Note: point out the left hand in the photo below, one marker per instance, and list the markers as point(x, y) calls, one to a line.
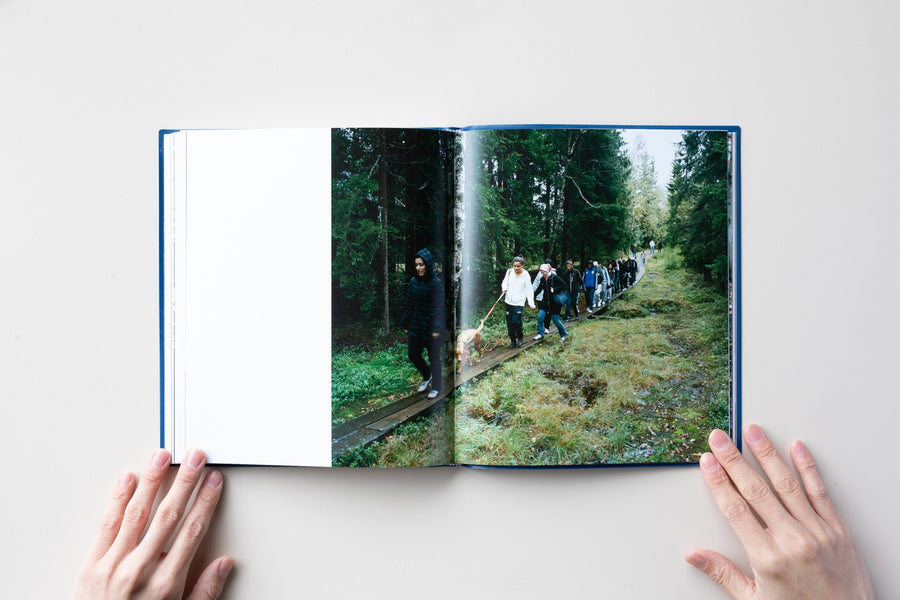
point(123, 564)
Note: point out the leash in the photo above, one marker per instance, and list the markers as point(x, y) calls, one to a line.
point(492, 309)
point(480, 327)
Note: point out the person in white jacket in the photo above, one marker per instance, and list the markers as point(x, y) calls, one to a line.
point(517, 287)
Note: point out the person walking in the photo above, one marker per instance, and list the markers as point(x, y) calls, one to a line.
point(553, 298)
point(423, 320)
point(603, 289)
point(517, 287)
point(574, 283)
point(538, 294)
point(608, 273)
point(591, 280)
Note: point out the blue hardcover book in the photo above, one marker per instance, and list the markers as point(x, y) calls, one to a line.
point(503, 296)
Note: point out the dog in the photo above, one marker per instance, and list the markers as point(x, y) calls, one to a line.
point(464, 343)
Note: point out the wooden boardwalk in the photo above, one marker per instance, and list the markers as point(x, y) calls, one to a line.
point(379, 423)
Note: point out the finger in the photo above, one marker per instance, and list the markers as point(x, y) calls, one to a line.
point(138, 510)
point(173, 506)
point(783, 480)
point(816, 491)
point(112, 518)
point(212, 579)
point(752, 487)
point(195, 526)
point(732, 504)
point(722, 572)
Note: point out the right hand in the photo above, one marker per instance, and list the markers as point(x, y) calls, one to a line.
point(801, 549)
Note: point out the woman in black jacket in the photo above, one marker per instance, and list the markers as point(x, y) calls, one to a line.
point(552, 300)
point(423, 321)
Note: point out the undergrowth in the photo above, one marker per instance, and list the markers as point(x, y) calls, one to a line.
point(362, 381)
point(644, 383)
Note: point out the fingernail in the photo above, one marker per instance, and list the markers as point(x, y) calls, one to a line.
point(214, 479)
point(719, 440)
point(800, 448)
point(160, 459)
point(708, 462)
point(754, 434)
point(125, 479)
point(194, 458)
point(696, 560)
point(225, 566)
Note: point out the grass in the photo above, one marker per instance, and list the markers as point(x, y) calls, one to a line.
point(645, 383)
point(427, 441)
point(362, 381)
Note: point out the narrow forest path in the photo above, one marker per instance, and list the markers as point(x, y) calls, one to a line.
point(379, 423)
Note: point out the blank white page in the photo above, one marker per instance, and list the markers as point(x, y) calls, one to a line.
point(252, 323)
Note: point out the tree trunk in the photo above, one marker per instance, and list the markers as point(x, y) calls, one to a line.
point(385, 259)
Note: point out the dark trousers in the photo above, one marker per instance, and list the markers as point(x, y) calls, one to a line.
point(514, 322)
point(572, 305)
point(433, 345)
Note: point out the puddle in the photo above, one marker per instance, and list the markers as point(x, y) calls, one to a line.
point(490, 416)
point(582, 391)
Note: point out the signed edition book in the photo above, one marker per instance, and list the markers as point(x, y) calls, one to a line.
point(507, 296)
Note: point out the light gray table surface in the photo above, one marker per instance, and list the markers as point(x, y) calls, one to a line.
point(86, 86)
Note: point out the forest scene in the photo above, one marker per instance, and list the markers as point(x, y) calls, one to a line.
point(638, 375)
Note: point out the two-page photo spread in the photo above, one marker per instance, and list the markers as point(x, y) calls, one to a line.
point(515, 296)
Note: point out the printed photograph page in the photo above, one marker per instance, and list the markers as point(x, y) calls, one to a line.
point(394, 290)
point(595, 282)
point(250, 335)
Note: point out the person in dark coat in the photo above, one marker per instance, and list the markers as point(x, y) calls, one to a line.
point(553, 288)
point(574, 283)
point(423, 320)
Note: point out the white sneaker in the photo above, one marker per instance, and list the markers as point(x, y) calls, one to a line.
point(538, 337)
point(434, 393)
point(424, 385)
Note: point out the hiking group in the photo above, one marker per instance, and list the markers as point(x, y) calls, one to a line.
point(549, 292)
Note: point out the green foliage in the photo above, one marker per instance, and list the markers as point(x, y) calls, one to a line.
point(557, 193)
point(698, 203)
point(647, 199)
point(363, 380)
point(352, 197)
point(361, 456)
point(392, 194)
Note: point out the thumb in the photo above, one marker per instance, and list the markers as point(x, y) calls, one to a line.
point(723, 573)
point(212, 579)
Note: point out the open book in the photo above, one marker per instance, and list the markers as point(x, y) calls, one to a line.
point(492, 296)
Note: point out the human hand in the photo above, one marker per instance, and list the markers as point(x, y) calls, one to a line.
point(798, 547)
point(124, 565)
